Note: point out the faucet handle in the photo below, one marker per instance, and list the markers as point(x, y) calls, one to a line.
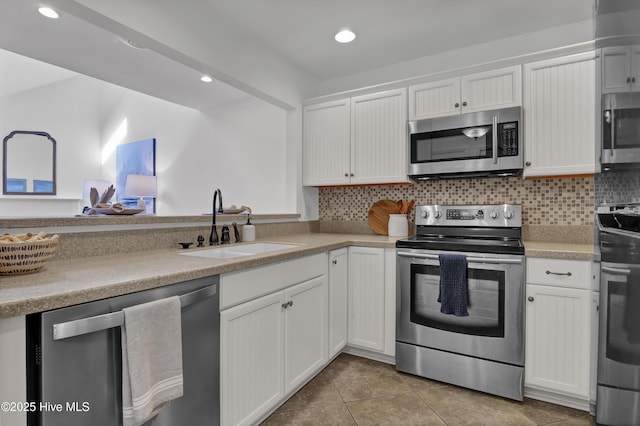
point(236, 233)
point(213, 238)
point(225, 239)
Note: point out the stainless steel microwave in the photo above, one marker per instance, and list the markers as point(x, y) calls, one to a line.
point(620, 128)
point(487, 143)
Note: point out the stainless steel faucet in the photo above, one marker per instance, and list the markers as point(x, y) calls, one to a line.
point(213, 238)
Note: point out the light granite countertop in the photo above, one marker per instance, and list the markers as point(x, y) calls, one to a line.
point(70, 282)
point(552, 250)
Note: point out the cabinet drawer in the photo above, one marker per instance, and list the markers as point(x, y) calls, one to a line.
point(242, 286)
point(559, 272)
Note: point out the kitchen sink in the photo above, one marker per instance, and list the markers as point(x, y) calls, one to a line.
point(229, 252)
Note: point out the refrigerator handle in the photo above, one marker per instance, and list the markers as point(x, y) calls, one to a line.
point(82, 326)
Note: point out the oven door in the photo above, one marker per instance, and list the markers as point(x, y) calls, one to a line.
point(619, 352)
point(494, 329)
point(621, 128)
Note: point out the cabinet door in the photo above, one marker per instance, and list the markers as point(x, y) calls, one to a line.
point(326, 143)
point(13, 381)
point(558, 339)
point(251, 359)
point(338, 300)
point(635, 68)
point(501, 88)
point(559, 115)
point(616, 69)
point(435, 99)
point(379, 137)
point(366, 298)
point(306, 331)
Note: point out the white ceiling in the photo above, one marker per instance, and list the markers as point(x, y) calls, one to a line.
point(19, 73)
point(388, 31)
point(298, 32)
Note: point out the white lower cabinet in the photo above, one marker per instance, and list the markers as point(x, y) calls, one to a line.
point(558, 309)
point(338, 300)
point(252, 359)
point(13, 381)
point(306, 331)
point(372, 299)
point(271, 345)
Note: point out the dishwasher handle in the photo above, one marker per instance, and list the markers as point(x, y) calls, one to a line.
point(469, 258)
point(78, 327)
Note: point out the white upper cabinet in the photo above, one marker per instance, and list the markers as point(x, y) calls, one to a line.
point(500, 88)
point(379, 137)
point(620, 69)
point(435, 99)
point(327, 143)
point(360, 140)
point(559, 116)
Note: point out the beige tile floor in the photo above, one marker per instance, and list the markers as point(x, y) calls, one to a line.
point(357, 391)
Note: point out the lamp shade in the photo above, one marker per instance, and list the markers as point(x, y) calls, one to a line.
point(140, 186)
point(100, 185)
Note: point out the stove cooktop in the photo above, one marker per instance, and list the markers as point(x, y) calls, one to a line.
point(480, 229)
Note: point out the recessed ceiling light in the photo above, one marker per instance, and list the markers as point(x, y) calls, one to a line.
point(206, 79)
point(132, 44)
point(345, 36)
point(48, 12)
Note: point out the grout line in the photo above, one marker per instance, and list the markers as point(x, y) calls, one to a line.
point(432, 409)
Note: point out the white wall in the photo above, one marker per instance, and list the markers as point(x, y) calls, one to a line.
point(69, 110)
point(240, 148)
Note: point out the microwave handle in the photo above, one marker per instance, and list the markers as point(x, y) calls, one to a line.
point(613, 130)
point(495, 139)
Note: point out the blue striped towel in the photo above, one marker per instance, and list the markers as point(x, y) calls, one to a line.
point(453, 295)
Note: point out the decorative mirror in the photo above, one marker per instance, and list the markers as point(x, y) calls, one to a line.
point(29, 163)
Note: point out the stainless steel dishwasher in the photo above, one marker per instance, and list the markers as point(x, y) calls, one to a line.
point(74, 360)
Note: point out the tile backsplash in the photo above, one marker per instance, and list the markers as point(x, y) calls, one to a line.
point(619, 186)
point(567, 201)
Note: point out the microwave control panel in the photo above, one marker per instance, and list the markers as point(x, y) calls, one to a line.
point(508, 139)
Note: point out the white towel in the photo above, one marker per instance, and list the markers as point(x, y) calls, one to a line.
point(151, 359)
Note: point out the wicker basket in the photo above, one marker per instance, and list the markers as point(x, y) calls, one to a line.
point(26, 257)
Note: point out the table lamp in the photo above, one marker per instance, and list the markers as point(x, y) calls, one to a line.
point(140, 186)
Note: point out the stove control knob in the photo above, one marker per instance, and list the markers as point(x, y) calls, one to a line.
point(425, 214)
point(493, 214)
point(437, 214)
point(508, 214)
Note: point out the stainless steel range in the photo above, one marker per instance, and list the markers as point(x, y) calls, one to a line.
point(483, 350)
point(618, 390)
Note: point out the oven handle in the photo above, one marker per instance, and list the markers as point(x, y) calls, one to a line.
point(78, 327)
point(615, 271)
point(469, 259)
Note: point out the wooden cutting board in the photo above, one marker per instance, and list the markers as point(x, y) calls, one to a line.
point(379, 215)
